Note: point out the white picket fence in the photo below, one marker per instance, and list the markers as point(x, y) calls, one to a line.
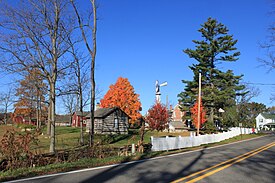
point(170, 143)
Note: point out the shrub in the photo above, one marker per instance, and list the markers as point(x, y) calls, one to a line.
point(15, 148)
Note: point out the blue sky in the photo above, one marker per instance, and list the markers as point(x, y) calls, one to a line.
point(143, 41)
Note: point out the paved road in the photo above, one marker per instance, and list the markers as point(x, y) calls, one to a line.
point(247, 161)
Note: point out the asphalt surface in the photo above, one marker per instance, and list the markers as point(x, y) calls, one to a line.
point(258, 167)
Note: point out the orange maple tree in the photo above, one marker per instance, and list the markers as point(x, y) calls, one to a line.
point(31, 93)
point(194, 114)
point(122, 95)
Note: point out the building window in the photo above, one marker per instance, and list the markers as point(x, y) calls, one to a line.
point(116, 123)
point(123, 119)
point(261, 120)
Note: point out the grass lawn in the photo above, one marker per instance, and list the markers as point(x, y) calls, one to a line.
point(93, 162)
point(69, 137)
point(133, 137)
point(66, 138)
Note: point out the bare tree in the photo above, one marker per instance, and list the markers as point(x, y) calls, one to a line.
point(268, 46)
point(269, 60)
point(81, 82)
point(78, 91)
point(6, 101)
point(249, 93)
point(91, 25)
point(70, 102)
point(35, 34)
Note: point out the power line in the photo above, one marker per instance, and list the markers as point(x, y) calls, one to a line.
point(263, 84)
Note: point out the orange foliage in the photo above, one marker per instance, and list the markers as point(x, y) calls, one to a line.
point(122, 95)
point(194, 111)
point(31, 93)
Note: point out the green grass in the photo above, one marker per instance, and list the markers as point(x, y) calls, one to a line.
point(66, 138)
point(89, 162)
point(60, 167)
point(69, 137)
point(133, 137)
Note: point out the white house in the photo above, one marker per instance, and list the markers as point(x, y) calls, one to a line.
point(265, 121)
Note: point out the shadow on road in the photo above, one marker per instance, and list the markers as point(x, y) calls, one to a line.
point(145, 172)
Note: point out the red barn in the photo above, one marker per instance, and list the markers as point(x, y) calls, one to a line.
point(23, 116)
point(22, 120)
point(76, 118)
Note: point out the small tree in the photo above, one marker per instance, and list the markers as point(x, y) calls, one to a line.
point(31, 96)
point(122, 95)
point(91, 46)
point(194, 115)
point(15, 148)
point(6, 101)
point(157, 117)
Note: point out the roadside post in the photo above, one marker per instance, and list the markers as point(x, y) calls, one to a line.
point(240, 125)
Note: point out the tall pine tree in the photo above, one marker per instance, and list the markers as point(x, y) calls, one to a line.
point(219, 89)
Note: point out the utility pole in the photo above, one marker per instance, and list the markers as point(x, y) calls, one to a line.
point(199, 106)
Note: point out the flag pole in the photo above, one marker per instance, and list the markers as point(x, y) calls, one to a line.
point(199, 106)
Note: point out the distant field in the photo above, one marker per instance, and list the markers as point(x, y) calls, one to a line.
point(68, 137)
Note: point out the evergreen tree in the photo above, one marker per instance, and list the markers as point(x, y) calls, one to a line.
point(219, 89)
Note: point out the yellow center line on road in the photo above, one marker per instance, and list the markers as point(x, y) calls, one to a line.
point(233, 160)
point(228, 165)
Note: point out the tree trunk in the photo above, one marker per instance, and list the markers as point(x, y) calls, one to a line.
point(91, 131)
point(81, 129)
point(81, 113)
point(49, 118)
point(211, 115)
point(92, 52)
point(6, 115)
point(93, 72)
point(40, 111)
point(52, 121)
point(37, 111)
